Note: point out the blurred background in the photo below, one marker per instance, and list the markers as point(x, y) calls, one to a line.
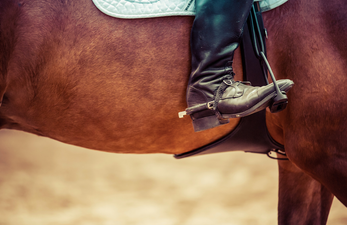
point(45, 182)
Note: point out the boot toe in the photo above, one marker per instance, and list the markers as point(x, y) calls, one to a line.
point(252, 100)
point(236, 105)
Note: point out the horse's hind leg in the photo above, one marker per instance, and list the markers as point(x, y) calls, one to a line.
point(302, 200)
point(317, 146)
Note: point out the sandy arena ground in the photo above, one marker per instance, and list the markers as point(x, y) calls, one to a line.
point(44, 182)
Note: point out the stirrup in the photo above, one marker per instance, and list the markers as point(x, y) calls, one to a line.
point(279, 103)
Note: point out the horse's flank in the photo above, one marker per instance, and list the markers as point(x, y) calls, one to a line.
point(73, 74)
point(87, 79)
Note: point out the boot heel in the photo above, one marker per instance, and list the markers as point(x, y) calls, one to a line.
point(207, 122)
point(279, 103)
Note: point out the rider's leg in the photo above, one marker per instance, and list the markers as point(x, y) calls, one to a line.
point(215, 35)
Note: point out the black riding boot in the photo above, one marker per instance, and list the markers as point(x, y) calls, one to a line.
point(215, 35)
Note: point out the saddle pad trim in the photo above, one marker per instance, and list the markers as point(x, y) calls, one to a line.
point(136, 9)
point(110, 10)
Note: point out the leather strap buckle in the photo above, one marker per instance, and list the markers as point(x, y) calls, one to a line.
point(228, 82)
point(210, 105)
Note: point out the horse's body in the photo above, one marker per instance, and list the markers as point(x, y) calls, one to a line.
point(73, 74)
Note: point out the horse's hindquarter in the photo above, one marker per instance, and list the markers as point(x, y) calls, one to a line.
point(87, 79)
point(310, 48)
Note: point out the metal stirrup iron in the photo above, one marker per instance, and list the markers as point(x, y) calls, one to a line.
point(280, 101)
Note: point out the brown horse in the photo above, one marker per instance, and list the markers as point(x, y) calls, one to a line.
point(71, 73)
